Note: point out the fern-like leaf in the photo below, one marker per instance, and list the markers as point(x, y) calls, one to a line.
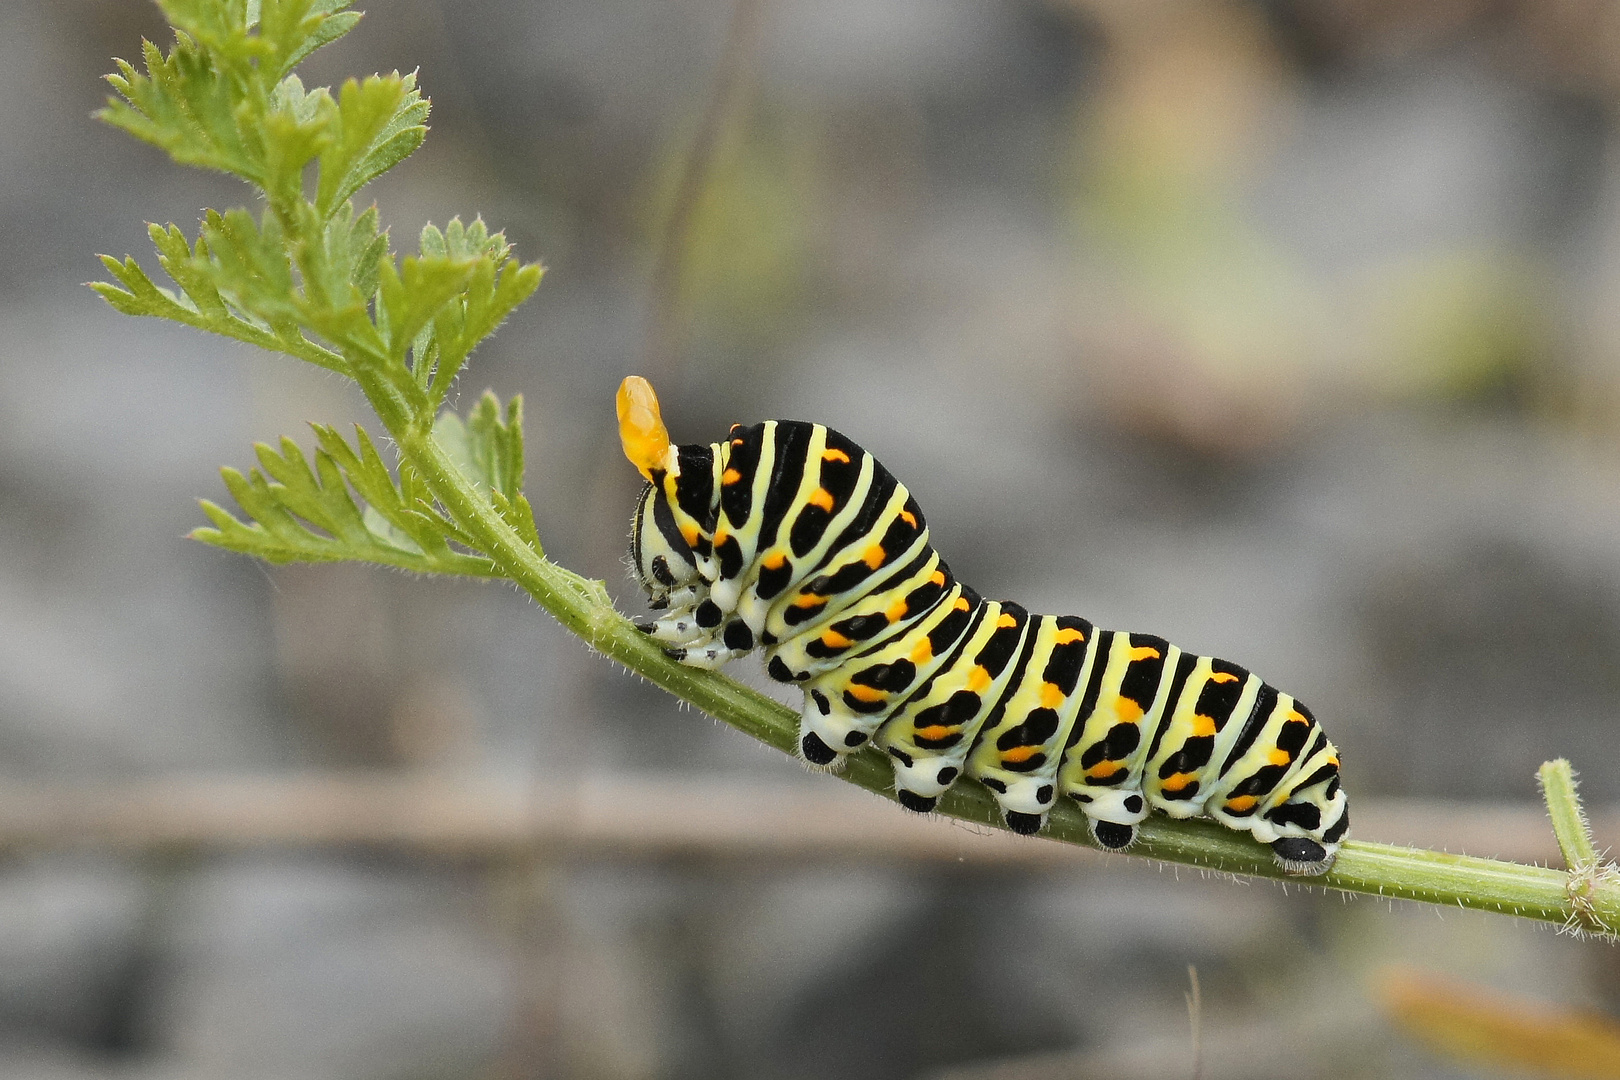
point(380, 122)
point(298, 512)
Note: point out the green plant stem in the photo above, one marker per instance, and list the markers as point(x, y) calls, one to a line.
point(1589, 879)
point(584, 608)
point(1568, 820)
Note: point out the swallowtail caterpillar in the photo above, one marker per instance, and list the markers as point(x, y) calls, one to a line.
point(788, 537)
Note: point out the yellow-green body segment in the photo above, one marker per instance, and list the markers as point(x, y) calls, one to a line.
point(790, 538)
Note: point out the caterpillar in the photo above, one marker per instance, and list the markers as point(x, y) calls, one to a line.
point(788, 537)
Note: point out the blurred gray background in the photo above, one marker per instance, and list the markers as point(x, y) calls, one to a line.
point(1286, 330)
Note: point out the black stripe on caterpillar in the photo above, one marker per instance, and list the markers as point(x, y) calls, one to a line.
point(790, 538)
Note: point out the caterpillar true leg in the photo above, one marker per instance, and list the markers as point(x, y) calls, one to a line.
point(788, 537)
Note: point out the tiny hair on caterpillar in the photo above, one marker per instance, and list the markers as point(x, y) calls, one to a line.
point(788, 537)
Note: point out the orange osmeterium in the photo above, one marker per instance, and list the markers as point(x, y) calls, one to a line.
point(641, 426)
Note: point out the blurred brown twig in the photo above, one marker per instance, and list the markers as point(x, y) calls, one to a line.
point(457, 814)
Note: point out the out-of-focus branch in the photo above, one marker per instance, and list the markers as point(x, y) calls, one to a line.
point(726, 96)
point(615, 817)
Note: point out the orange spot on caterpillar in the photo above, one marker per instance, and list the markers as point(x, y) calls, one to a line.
point(808, 600)
point(1241, 803)
point(1223, 677)
point(961, 604)
point(978, 679)
point(937, 578)
point(874, 556)
point(730, 476)
point(1020, 753)
point(689, 533)
point(897, 610)
point(1128, 711)
point(1006, 621)
point(909, 518)
point(867, 694)
point(1051, 695)
point(923, 652)
point(823, 498)
point(834, 640)
point(1068, 636)
point(1103, 770)
point(835, 455)
point(1143, 652)
point(721, 537)
point(1279, 756)
point(773, 561)
point(1177, 782)
point(1202, 725)
point(937, 731)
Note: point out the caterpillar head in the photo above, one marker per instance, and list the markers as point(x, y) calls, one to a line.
point(662, 559)
point(660, 553)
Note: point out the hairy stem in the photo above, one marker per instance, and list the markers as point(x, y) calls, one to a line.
point(1568, 819)
point(1380, 869)
point(1589, 879)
